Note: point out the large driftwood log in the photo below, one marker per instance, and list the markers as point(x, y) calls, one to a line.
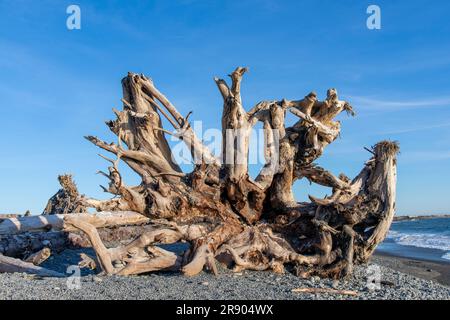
point(22, 236)
point(218, 207)
point(23, 244)
point(58, 221)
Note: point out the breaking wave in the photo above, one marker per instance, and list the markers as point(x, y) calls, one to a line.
point(422, 240)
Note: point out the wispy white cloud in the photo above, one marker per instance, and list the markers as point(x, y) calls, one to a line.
point(374, 104)
point(416, 128)
point(426, 155)
point(404, 61)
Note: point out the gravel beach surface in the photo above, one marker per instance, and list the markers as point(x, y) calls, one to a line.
point(227, 285)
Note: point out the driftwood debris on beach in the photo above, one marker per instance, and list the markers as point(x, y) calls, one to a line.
point(21, 237)
point(8, 264)
point(218, 208)
point(325, 290)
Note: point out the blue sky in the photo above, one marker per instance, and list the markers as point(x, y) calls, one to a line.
point(57, 85)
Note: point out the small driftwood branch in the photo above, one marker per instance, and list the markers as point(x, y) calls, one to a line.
point(325, 290)
point(38, 257)
point(87, 262)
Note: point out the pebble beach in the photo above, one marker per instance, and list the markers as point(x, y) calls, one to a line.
point(399, 281)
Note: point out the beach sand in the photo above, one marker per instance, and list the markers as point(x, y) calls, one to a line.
point(429, 270)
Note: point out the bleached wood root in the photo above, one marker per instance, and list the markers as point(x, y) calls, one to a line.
point(139, 256)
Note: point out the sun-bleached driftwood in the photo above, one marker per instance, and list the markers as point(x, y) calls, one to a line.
point(87, 262)
point(38, 257)
point(23, 244)
point(34, 236)
point(8, 264)
point(218, 208)
point(9, 215)
point(57, 221)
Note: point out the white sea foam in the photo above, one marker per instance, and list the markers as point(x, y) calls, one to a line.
point(422, 240)
point(446, 256)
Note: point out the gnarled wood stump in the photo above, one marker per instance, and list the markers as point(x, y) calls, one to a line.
point(219, 208)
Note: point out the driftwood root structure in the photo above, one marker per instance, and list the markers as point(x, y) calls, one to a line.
point(218, 208)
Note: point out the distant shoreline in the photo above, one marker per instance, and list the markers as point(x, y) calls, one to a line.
point(422, 217)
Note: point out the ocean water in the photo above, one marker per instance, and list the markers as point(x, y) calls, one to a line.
point(424, 239)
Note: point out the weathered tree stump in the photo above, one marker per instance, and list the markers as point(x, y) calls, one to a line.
point(218, 207)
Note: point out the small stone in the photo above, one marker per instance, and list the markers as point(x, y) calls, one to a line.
point(97, 279)
point(57, 288)
point(335, 284)
point(206, 283)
